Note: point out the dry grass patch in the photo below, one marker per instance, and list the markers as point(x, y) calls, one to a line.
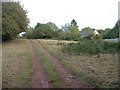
point(15, 64)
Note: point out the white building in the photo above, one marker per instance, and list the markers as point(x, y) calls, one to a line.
point(88, 32)
point(22, 33)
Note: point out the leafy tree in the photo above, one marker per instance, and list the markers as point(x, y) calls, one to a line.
point(66, 27)
point(38, 25)
point(29, 33)
point(14, 20)
point(74, 31)
point(42, 31)
point(71, 30)
point(114, 33)
point(104, 33)
point(87, 29)
point(52, 25)
point(61, 34)
point(48, 31)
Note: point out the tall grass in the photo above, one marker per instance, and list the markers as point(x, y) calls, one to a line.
point(91, 47)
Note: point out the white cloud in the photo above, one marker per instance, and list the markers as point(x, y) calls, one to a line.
point(93, 13)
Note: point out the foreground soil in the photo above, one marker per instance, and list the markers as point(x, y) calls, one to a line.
point(22, 66)
point(72, 81)
point(38, 78)
point(98, 70)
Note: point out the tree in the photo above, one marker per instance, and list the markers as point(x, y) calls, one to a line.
point(60, 34)
point(104, 33)
point(52, 25)
point(114, 33)
point(42, 31)
point(29, 33)
point(87, 29)
point(38, 25)
point(73, 23)
point(14, 20)
point(48, 31)
point(74, 32)
point(66, 27)
point(71, 30)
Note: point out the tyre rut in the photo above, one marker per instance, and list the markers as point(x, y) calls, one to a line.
point(38, 78)
point(72, 81)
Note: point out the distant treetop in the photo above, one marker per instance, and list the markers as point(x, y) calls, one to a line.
point(73, 23)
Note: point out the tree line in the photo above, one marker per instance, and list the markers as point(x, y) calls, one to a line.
point(68, 31)
point(14, 21)
point(50, 30)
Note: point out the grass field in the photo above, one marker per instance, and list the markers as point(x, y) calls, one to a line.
point(98, 70)
point(16, 64)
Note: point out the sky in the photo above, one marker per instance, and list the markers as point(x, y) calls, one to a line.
point(98, 14)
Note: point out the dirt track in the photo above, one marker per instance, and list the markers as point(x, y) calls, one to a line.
point(39, 79)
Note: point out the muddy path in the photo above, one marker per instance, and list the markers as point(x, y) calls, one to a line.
point(38, 77)
point(72, 81)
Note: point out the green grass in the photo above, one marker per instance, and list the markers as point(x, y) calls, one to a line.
point(82, 77)
point(26, 70)
point(50, 69)
point(91, 47)
point(16, 64)
point(80, 66)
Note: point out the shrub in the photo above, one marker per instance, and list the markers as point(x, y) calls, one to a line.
point(91, 47)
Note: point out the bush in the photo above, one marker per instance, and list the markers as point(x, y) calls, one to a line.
point(91, 47)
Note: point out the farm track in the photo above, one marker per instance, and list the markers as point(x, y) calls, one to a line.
point(38, 78)
point(28, 64)
point(72, 81)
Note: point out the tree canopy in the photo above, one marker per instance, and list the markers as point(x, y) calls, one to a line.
point(68, 32)
point(87, 29)
point(14, 20)
point(114, 33)
point(50, 30)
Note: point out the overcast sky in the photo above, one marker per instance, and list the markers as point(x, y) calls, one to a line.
point(98, 14)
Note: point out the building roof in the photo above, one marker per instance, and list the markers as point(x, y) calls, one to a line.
point(88, 32)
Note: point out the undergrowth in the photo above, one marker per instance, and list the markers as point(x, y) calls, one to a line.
point(91, 47)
